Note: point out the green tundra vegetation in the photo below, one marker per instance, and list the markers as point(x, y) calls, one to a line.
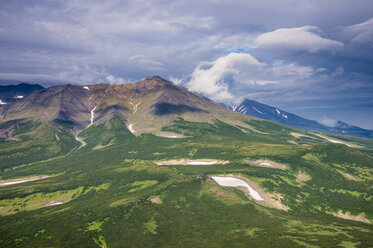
point(103, 194)
point(33, 142)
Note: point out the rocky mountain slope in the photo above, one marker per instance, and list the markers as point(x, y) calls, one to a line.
point(146, 105)
point(51, 120)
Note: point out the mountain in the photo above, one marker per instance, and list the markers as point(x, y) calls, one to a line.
point(260, 110)
point(11, 93)
point(54, 118)
point(153, 99)
point(153, 164)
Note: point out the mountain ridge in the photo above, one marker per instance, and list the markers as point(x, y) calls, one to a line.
point(153, 98)
point(11, 93)
point(263, 111)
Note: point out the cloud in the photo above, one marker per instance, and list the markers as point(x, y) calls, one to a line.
point(147, 63)
point(265, 82)
point(338, 72)
point(292, 71)
point(175, 80)
point(75, 73)
point(81, 41)
point(236, 75)
point(329, 122)
point(298, 39)
point(362, 33)
point(115, 80)
point(211, 81)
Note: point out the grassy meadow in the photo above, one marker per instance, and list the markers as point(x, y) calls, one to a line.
point(107, 188)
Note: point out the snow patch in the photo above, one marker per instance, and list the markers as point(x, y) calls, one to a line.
point(235, 182)
point(19, 97)
point(135, 108)
point(130, 127)
point(24, 180)
point(92, 115)
point(201, 162)
point(2, 103)
point(191, 162)
point(54, 203)
point(257, 110)
point(278, 111)
point(285, 116)
point(234, 107)
point(265, 164)
point(86, 87)
point(336, 141)
point(16, 182)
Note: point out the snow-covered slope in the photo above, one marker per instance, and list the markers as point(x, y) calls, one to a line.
point(253, 108)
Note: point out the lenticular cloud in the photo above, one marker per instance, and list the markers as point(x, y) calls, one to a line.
point(302, 38)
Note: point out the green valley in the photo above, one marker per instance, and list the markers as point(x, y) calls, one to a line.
point(114, 192)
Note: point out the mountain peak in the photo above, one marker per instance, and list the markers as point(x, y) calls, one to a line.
point(157, 79)
point(153, 83)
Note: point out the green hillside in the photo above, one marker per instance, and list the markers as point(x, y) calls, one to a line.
point(122, 190)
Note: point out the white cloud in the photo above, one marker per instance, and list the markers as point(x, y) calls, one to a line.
point(115, 80)
point(300, 39)
point(211, 81)
point(329, 122)
point(292, 70)
point(75, 73)
point(362, 33)
point(265, 82)
point(84, 74)
point(175, 80)
point(238, 74)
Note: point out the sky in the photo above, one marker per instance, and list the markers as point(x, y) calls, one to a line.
point(313, 58)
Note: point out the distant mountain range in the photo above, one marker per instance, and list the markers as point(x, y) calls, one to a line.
point(11, 93)
point(260, 110)
point(76, 105)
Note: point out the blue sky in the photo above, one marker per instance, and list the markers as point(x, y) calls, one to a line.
point(313, 58)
